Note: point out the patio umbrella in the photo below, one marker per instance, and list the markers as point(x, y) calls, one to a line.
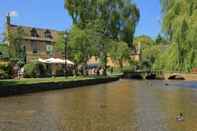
point(42, 60)
point(69, 62)
point(55, 61)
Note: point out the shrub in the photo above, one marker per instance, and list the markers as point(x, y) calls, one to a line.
point(129, 69)
point(29, 71)
point(3, 74)
point(35, 70)
point(6, 69)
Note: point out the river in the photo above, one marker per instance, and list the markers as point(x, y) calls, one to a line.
point(125, 105)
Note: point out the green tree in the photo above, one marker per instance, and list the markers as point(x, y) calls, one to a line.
point(80, 45)
point(179, 25)
point(149, 50)
point(149, 56)
point(103, 48)
point(161, 40)
point(144, 40)
point(88, 42)
point(119, 17)
point(60, 43)
point(4, 51)
point(17, 49)
point(120, 53)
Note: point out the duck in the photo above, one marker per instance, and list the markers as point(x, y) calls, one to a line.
point(166, 84)
point(180, 117)
point(103, 106)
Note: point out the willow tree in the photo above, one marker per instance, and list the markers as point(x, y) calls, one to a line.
point(120, 16)
point(180, 26)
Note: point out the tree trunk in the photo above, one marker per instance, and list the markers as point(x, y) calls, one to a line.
point(121, 65)
point(105, 65)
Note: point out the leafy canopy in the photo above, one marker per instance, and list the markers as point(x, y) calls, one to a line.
point(119, 17)
point(180, 27)
point(16, 46)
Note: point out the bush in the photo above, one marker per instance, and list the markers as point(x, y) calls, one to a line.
point(35, 70)
point(129, 69)
point(3, 74)
point(6, 70)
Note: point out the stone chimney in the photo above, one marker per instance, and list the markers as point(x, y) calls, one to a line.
point(8, 19)
point(7, 27)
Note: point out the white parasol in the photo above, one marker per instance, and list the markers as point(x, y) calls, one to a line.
point(55, 61)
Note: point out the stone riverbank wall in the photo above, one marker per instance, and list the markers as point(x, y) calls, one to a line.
point(24, 88)
point(187, 76)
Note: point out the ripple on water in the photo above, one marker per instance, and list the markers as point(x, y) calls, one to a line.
point(125, 105)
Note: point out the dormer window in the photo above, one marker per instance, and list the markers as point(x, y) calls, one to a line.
point(34, 47)
point(48, 34)
point(34, 33)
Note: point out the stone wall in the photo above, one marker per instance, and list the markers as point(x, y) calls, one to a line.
point(187, 76)
point(24, 88)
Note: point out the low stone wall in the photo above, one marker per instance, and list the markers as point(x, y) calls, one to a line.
point(23, 89)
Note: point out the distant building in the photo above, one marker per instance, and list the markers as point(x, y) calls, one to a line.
point(38, 42)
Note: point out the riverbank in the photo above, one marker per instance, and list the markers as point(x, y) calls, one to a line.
point(186, 76)
point(23, 86)
point(161, 76)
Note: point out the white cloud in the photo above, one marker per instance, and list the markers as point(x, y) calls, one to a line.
point(13, 13)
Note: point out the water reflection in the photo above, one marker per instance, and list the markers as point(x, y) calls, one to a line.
point(119, 106)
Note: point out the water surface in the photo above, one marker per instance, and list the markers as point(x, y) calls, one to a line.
point(125, 105)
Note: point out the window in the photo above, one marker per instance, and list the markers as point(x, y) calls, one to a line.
point(34, 47)
point(34, 33)
point(48, 34)
point(49, 49)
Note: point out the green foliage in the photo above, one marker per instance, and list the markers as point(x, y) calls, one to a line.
point(143, 40)
point(119, 17)
point(5, 71)
point(35, 70)
point(4, 51)
point(99, 25)
point(88, 42)
point(3, 74)
point(161, 40)
point(120, 53)
point(129, 69)
point(80, 44)
point(148, 50)
point(149, 56)
point(166, 60)
point(16, 48)
point(7, 68)
point(179, 24)
point(60, 43)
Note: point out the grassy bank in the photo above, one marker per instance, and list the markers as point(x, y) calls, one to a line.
point(23, 86)
point(30, 81)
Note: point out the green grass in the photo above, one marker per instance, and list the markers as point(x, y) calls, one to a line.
point(29, 81)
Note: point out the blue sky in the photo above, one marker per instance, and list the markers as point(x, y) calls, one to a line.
point(51, 14)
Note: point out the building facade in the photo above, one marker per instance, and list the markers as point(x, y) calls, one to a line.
point(37, 42)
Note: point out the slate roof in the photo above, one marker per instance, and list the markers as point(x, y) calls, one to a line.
point(42, 34)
